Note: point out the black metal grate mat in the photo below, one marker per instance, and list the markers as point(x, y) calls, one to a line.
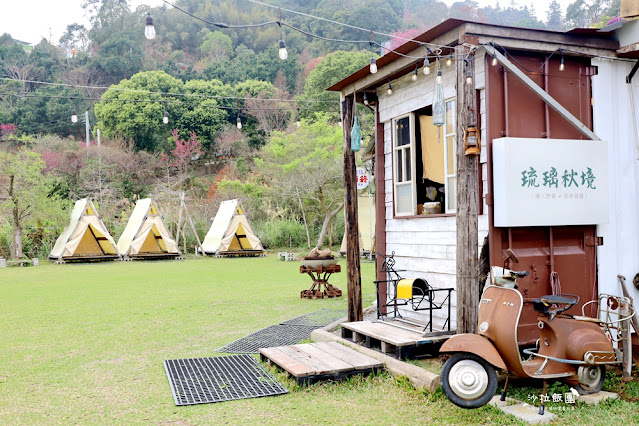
point(269, 337)
point(224, 378)
point(318, 318)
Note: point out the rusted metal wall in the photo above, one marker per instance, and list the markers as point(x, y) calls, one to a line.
point(513, 110)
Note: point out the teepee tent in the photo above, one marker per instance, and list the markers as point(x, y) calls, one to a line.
point(146, 235)
point(366, 225)
point(85, 237)
point(231, 234)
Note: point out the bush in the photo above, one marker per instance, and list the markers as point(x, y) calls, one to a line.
point(281, 233)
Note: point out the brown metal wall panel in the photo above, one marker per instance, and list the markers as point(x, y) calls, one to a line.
point(571, 88)
point(513, 110)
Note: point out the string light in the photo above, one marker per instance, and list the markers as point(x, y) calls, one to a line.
point(373, 65)
point(165, 120)
point(149, 29)
point(389, 91)
point(426, 68)
point(414, 76)
point(74, 116)
point(562, 65)
point(365, 99)
point(283, 52)
point(469, 74)
point(449, 61)
point(494, 61)
point(239, 123)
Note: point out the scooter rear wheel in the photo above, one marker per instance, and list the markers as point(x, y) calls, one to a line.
point(468, 381)
point(590, 379)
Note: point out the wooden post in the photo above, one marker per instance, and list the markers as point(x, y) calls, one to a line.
point(380, 208)
point(353, 277)
point(467, 204)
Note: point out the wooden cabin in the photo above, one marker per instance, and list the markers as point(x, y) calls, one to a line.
point(581, 235)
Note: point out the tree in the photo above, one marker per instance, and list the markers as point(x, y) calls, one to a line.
point(330, 70)
point(554, 19)
point(216, 46)
point(306, 165)
point(128, 115)
point(25, 193)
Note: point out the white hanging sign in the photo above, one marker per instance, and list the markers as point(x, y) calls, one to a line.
point(363, 179)
point(550, 182)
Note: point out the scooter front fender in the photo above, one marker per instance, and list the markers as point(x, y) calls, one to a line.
point(474, 344)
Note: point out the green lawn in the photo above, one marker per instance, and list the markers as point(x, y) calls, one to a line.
point(85, 344)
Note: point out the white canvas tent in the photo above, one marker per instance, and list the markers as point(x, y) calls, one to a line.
point(85, 237)
point(146, 234)
point(231, 234)
point(366, 224)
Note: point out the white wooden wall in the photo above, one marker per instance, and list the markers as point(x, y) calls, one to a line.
point(426, 247)
point(613, 122)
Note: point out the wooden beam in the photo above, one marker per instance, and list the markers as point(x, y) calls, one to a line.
point(380, 206)
point(386, 72)
point(549, 100)
point(353, 276)
point(467, 259)
point(487, 30)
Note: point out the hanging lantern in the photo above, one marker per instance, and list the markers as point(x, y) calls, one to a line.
point(356, 136)
point(472, 145)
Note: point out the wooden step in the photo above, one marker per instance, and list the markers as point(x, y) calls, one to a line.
point(311, 362)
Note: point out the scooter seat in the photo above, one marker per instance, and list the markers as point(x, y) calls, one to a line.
point(544, 303)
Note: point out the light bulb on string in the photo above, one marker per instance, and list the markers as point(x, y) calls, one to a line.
point(389, 91)
point(373, 65)
point(469, 75)
point(365, 99)
point(239, 123)
point(414, 76)
point(562, 65)
point(449, 61)
point(165, 119)
point(149, 29)
point(439, 78)
point(494, 61)
point(283, 52)
point(74, 116)
point(426, 68)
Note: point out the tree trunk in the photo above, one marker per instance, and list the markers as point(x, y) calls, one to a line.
point(16, 228)
point(327, 221)
point(308, 235)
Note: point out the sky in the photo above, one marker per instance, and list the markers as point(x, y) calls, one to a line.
point(31, 20)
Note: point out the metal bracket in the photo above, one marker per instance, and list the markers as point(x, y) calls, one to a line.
point(632, 73)
point(593, 241)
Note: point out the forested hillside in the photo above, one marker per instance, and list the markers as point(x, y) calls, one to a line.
point(201, 106)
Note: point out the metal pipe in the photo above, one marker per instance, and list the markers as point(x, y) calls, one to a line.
point(506, 129)
point(546, 89)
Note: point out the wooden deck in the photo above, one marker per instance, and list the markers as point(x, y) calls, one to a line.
point(398, 342)
point(311, 362)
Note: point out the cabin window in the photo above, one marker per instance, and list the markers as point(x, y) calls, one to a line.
point(424, 169)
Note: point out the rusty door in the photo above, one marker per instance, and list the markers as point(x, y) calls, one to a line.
point(569, 251)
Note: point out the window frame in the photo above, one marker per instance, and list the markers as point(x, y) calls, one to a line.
point(404, 181)
point(446, 135)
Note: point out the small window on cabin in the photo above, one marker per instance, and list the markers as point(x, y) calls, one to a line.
point(424, 169)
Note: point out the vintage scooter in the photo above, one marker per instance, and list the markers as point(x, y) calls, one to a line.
point(575, 349)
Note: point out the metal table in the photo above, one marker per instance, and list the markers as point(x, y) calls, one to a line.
point(321, 287)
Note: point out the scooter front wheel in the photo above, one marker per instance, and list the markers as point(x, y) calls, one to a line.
point(468, 381)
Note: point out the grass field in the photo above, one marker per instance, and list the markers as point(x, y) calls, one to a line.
point(84, 344)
